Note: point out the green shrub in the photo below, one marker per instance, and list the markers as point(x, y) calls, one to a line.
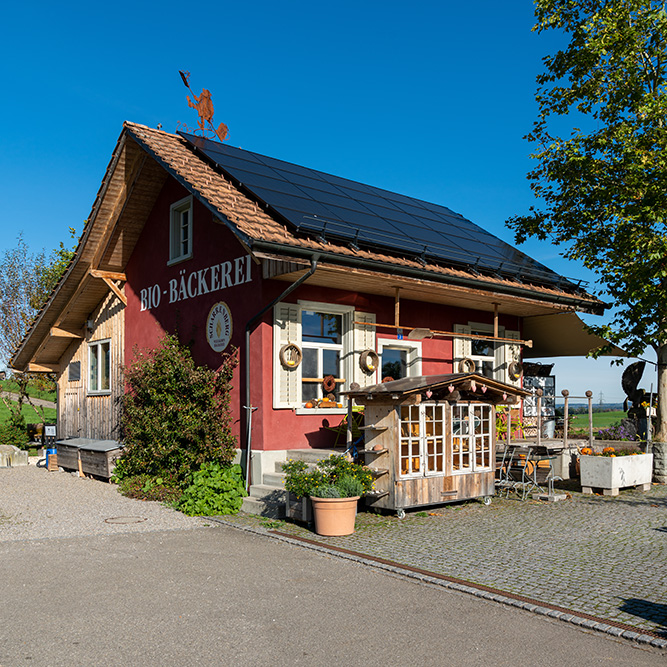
point(215, 489)
point(350, 486)
point(145, 487)
point(326, 491)
point(176, 415)
point(14, 431)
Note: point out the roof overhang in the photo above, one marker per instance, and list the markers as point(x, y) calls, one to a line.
point(128, 192)
point(451, 387)
point(335, 271)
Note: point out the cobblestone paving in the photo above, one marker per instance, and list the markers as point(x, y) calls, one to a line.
point(591, 554)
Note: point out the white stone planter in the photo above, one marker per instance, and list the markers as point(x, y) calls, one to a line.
point(611, 473)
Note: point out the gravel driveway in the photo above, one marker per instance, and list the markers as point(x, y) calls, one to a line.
point(36, 504)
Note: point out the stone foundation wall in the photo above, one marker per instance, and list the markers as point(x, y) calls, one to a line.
point(660, 462)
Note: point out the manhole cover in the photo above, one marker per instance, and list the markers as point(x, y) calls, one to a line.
point(125, 519)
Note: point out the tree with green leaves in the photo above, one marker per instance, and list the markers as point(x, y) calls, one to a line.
point(26, 282)
point(601, 153)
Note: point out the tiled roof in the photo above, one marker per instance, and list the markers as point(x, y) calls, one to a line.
point(253, 224)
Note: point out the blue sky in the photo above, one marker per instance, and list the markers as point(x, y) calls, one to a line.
point(431, 99)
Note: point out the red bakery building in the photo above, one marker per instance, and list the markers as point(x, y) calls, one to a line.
point(319, 281)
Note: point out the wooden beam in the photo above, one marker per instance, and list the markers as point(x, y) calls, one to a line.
point(108, 277)
point(111, 275)
point(56, 332)
point(116, 290)
point(43, 368)
point(452, 334)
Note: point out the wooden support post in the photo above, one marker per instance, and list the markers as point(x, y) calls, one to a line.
point(589, 396)
point(495, 320)
point(397, 306)
point(350, 416)
point(539, 393)
point(565, 393)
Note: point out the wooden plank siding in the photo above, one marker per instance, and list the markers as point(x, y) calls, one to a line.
point(432, 489)
point(81, 415)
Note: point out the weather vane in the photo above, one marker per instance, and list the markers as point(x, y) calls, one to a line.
point(204, 107)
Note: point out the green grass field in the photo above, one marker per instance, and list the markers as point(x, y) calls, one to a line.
point(600, 419)
point(30, 415)
point(10, 385)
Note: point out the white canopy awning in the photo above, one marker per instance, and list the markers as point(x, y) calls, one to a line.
point(561, 335)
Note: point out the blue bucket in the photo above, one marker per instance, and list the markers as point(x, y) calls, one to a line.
point(52, 451)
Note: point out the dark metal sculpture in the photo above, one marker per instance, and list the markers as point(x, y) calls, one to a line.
point(204, 106)
point(630, 383)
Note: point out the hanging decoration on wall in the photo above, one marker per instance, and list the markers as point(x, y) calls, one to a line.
point(515, 370)
point(467, 365)
point(329, 384)
point(204, 106)
point(369, 361)
point(290, 355)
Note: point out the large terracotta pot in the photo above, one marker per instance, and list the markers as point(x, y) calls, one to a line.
point(334, 516)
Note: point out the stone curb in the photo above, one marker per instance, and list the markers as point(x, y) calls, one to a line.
point(469, 589)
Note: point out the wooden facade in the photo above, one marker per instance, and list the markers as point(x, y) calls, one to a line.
point(431, 440)
point(82, 413)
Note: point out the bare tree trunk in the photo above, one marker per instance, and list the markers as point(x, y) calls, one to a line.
point(661, 430)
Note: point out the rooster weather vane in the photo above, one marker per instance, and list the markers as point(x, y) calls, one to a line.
point(204, 107)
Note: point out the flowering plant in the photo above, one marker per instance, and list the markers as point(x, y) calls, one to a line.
point(608, 451)
point(615, 432)
point(335, 477)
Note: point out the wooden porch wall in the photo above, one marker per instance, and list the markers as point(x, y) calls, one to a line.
point(81, 415)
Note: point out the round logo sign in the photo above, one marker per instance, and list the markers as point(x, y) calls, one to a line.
point(219, 327)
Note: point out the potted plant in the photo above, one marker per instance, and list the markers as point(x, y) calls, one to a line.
point(334, 486)
point(611, 470)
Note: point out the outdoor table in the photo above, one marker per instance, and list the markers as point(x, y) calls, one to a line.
point(518, 467)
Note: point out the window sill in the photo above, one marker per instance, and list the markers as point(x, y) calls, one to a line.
point(99, 393)
point(321, 411)
point(178, 260)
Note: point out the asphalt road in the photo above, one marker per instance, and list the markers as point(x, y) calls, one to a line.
point(219, 596)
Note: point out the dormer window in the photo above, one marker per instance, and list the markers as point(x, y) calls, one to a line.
point(180, 230)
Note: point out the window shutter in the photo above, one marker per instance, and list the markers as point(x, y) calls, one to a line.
point(462, 346)
point(512, 352)
point(286, 381)
point(364, 339)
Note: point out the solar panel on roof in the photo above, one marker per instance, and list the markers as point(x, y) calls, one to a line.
point(338, 209)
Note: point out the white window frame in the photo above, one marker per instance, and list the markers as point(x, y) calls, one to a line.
point(473, 440)
point(177, 240)
point(414, 350)
point(496, 358)
point(347, 347)
point(503, 354)
point(96, 351)
point(419, 442)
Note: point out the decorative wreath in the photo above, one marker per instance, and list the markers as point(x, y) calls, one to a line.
point(467, 365)
point(329, 383)
point(369, 361)
point(514, 370)
point(290, 355)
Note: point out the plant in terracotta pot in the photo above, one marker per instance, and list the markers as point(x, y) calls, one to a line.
point(334, 487)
